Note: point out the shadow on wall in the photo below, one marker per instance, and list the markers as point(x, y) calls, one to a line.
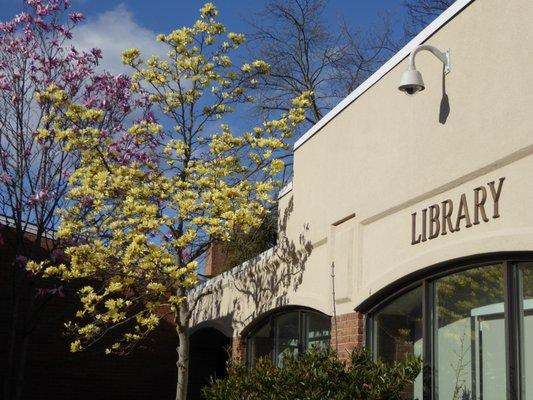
point(268, 283)
point(262, 283)
point(444, 109)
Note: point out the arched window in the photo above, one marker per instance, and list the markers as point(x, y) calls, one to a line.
point(287, 333)
point(473, 327)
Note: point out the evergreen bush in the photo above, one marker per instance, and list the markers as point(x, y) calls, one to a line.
point(318, 374)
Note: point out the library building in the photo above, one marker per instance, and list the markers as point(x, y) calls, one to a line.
point(408, 225)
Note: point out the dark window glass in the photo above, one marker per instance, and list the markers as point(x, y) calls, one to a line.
point(470, 335)
point(262, 343)
point(526, 323)
point(318, 331)
point(398, 333)
point(286, 334)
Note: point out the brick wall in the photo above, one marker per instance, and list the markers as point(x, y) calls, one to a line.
point(347, 333)
point(348, 329)
point(216, 259)
point(52, 372)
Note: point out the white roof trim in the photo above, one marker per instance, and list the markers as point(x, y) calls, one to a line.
point(441, 20)
point(284, 190)
point(235, 271)
point(29, 228)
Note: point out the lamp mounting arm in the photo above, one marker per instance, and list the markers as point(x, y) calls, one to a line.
point(443, 57)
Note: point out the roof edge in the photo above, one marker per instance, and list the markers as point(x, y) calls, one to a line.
point(234, 271)
point(29, 228)
point(425, 34)
point(285, 189)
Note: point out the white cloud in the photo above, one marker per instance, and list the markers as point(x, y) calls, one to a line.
point(114, 31)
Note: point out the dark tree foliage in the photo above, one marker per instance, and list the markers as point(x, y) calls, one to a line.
point(455, 292)
point(247, 245)
point(316, 375)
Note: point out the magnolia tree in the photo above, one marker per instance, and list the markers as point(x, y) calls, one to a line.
point(145, 205)
point(35, 57)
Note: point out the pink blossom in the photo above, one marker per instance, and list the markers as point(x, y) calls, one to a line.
point(23, 17)
point(57, 255)
point(5, 178)
point(39, 197)
point(76, 17)
point(7, 27)
point(32, 45)
point(41, 10)
point(150, 117)
point(87, 201)
point(41, 24)
point(41, 292)
point(21, 260)
point(185, 253)
point(4, 84)
point(97, 53)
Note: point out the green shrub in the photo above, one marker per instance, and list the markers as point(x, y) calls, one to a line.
point(316, 375)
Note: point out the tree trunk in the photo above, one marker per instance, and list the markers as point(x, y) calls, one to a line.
point(182, 363)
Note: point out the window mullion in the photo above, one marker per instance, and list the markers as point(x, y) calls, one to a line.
point(512, 313)
point(427, 335)
point(275, 341)
point(301, 333)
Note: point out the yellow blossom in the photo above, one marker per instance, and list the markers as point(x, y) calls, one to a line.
point(138, 225)
point(129, 56)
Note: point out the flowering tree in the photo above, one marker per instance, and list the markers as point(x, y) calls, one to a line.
point(34, 166)
point(146, 205)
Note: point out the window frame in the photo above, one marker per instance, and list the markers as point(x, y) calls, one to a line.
point(426, 278)
point(270, 319)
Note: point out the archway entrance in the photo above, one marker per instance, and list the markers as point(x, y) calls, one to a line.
point(208, 357)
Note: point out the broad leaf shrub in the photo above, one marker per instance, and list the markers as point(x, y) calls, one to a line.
point(316, 375)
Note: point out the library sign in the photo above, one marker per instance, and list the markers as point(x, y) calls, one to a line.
point(450, 216)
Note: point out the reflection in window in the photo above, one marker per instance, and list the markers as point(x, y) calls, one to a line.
point(263, 342)
point(469, 335)
point(526, 323)
point(318, 331)
point(287, 334)
point(398, 332)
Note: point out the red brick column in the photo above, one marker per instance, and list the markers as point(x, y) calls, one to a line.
point(238, 349)
point(216, 259)
point(347, 333)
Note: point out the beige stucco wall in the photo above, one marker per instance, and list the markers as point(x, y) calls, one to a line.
point(387, 156)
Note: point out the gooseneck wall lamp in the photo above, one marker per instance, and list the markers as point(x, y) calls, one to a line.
point(411, 81)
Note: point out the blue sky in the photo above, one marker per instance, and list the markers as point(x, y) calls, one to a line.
point(117, 24)
point(163, 15)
